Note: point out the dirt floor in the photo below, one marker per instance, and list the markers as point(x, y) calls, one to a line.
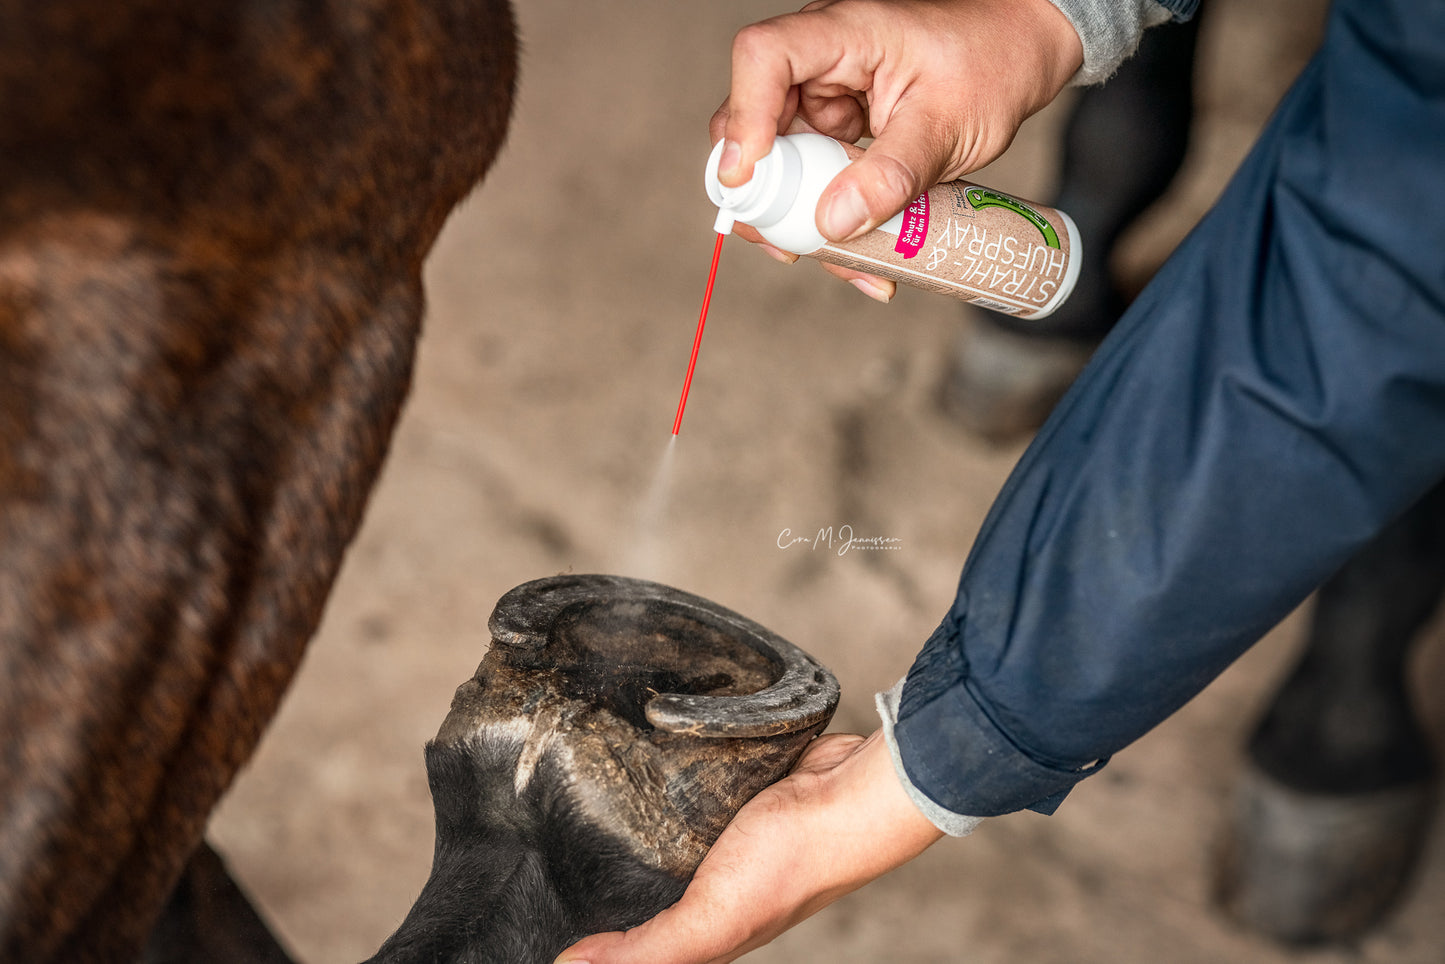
point(563, 297)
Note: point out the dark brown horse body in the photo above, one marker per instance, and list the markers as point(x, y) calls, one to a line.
point(212, 224)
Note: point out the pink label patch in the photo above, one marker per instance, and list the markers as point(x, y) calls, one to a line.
point(915, 228)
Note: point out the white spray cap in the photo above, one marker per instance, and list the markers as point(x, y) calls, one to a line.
point(764, 198)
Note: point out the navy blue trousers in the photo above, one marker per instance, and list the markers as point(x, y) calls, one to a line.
point(1273, 399)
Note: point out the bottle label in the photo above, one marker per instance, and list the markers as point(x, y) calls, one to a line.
point(914, 230)
point(970, 242)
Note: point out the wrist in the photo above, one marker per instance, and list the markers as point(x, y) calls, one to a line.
point(1108, 33)
point(1056, 41)
point(873, 804)
point(951, 823)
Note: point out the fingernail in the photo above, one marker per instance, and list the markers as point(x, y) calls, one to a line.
point(727, 168)
point(778, 254)
point(844, 215)
point(872, 290)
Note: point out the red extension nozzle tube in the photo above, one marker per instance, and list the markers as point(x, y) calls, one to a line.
point(697, 338)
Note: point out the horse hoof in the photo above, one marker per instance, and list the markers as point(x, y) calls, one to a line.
point(1000, 385)
point(1308, 868)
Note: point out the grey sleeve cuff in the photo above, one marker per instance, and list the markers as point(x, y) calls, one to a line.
point(953, 824)
point(1110, 31)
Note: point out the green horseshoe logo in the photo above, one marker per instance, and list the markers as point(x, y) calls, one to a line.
point(981, 197)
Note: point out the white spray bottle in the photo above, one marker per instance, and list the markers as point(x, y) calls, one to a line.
point(958, 239)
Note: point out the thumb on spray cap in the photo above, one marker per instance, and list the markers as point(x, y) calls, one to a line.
point(764, 198)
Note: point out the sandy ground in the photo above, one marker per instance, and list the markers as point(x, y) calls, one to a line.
point(562, 301)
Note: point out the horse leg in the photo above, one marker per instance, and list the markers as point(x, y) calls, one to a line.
point(1337, 789)
point(209, 918)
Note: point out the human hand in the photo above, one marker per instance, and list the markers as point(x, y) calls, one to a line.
point(839, 820)
point(942, 87)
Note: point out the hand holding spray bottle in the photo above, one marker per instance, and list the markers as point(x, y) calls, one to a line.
point(960, 239)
